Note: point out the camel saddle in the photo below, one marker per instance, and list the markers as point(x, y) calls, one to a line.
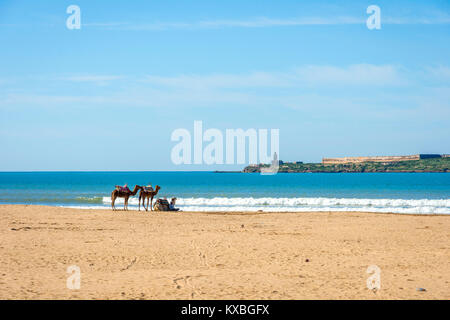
point(161, 205)
point(123, 190)
point(148, 189)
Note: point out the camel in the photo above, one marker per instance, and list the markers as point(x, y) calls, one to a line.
point(120, 194)
point(149, 196)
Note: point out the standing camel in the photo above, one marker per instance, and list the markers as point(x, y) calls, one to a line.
point(144, 194)
point(123, 194)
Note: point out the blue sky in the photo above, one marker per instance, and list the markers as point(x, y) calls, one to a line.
point(108, 96)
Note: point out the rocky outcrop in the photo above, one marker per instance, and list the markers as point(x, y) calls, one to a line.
point(423, 165)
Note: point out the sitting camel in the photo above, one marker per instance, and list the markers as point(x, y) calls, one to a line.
point(121, 193)
point(147, 193)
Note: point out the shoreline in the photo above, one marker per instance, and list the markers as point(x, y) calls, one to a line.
point(119, 208)
point(237, 212)
point(221, 255)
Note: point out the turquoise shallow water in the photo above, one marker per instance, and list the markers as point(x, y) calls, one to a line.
point(200, 191)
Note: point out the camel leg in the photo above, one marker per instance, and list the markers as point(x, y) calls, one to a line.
point(125, 202)
point(143, 203)
point(113, 200)
point(139, 202)
point(147, 203)
point(151, 204)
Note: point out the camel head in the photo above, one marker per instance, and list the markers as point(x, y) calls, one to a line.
point(136, 188)
point(157, 189)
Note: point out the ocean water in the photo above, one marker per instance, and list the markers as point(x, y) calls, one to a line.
point(421, 193)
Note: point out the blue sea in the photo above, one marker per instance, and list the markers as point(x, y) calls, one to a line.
point(419, 193)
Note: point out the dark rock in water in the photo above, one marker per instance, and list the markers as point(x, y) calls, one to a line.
point(421, 289)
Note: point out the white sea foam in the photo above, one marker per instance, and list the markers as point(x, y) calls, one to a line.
point(420, 206)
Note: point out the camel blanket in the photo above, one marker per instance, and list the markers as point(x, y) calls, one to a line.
point(161, 205)
point(122, 189)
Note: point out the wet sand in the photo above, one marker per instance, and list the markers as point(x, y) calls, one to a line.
point(182, 255)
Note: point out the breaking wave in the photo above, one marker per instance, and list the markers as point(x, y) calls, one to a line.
point(420, 206)
point(89, 199)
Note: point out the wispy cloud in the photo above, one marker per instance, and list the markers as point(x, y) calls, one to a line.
point(440, 73)
point(439, 18)
point(265, 22)
point(192, 81)
point(313, 88)
point(432, 18)
point(261, 22)
point(98, 79)
point(353, 75)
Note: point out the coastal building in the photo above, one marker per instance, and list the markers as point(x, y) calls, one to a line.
point(384, 159)
point(275, 160)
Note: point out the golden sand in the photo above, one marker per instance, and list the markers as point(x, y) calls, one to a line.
point(182, 255)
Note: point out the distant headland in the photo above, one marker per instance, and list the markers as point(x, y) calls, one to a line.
point(411, 163)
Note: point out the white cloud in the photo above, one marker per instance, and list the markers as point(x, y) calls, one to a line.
point(255, 79)
point(432, 18)
point(265, 22)
point(270, 22)
point(229, 23)
point(309, 88)
point(353, 75)
point(441, 73)
point(30, 99)
point(97, 79)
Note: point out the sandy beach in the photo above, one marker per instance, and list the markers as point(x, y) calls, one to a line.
point(183, 255)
